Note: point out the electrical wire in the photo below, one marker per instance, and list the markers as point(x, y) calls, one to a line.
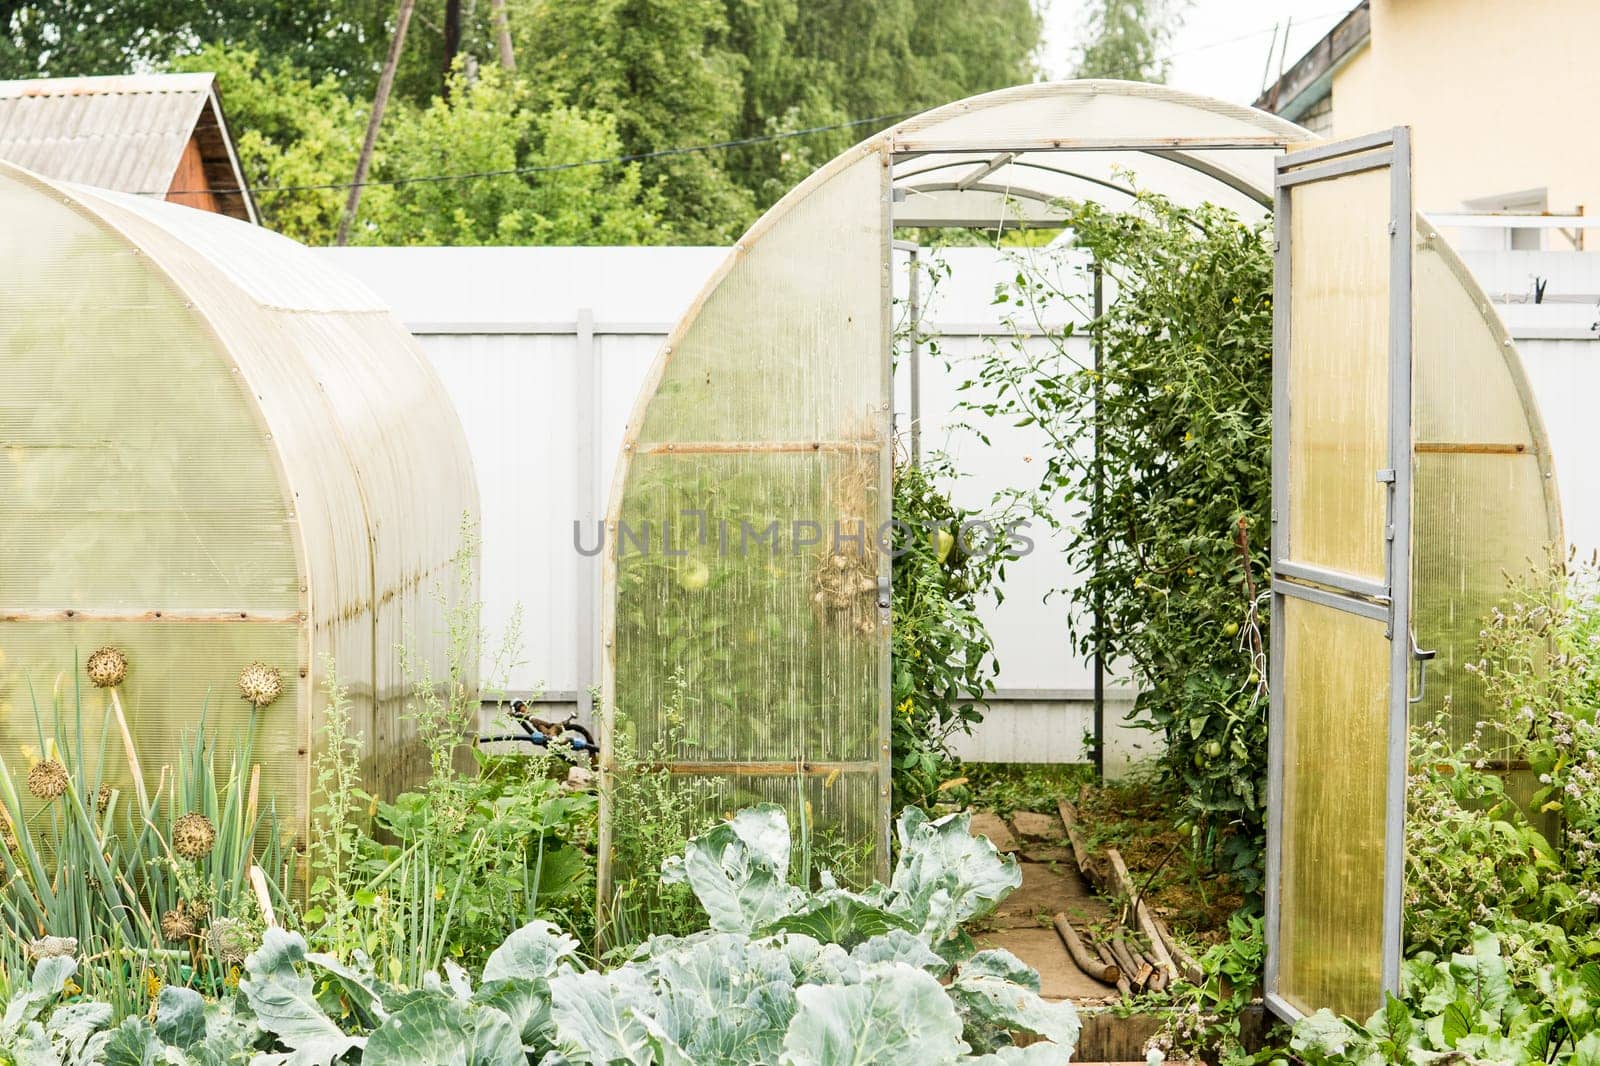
point(546, 168)
point(635, 157)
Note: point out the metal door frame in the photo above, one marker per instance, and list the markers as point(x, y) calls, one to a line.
point(1389, 603)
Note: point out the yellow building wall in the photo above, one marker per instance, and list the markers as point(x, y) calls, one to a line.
point(1502, 96)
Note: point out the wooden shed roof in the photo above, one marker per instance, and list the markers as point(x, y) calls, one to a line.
point(126, 133)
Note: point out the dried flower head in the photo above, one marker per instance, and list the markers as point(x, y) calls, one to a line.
point(193, 836)
point(48, 780)
point(230, 941)
point(178, 924)
point(260, 684)
point(51, 947)
point(102, 799)
point(8, 833)
point(107, 667)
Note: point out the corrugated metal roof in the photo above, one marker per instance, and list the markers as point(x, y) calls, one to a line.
point(125, 132)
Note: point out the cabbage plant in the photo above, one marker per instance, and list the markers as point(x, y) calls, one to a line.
point(783, 976)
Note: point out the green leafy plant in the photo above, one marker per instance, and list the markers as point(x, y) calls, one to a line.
point(1208, 1017)
point(133, 883)
point(1173, 424)
point(1466, 1008)
point(901, 986)
point(653, 818)
point(943, 655)
point(522, 853)
point(442, 872)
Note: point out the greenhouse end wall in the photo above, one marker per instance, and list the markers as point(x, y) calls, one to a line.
point(224, 452)
point(747, 632)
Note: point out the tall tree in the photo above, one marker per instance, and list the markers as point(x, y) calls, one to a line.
point(58, 38)
point(661, 75)
point(1127, 39)
point(662, 70)
point(824, 62)
point(487, 127)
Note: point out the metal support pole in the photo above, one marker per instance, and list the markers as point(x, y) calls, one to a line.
point(1097, 489)
point(915, 302)
point(587, 585)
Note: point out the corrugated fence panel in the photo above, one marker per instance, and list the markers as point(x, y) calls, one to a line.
point(533, 433)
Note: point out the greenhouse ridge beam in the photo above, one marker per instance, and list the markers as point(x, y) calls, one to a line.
point(1231, 180)
point(909, 147)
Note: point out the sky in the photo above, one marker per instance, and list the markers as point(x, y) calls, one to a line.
point(1222, 49)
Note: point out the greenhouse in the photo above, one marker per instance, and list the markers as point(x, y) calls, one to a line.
point(1410, 470)
point(219, 453)
point(502, 637)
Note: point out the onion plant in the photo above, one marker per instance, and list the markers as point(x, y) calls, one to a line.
point(132, 884)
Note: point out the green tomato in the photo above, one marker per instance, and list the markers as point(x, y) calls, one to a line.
point(942, 543)
point(694, 576)
point(1231, 629)
point(1213, 748)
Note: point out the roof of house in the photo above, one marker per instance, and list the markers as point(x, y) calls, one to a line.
point(125, 132)
point(1311, 78)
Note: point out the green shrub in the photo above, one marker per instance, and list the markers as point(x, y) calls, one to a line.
point(943, 655)
point(1175, 425)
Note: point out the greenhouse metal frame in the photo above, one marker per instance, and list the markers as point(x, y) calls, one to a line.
point(777, 379)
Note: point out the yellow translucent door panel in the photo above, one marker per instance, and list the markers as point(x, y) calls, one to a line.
point(1341, 575)
point(1330, 936)
point(1339, 373)
point(748, 645)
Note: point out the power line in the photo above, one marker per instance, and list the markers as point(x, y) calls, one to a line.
point(550, 168)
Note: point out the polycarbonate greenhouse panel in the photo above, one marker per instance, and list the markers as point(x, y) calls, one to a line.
point(181, 678)
point(1486, 508)
point(1339, 374)
point(1330, 920)
point(125, 436)
point(746, 639)
point(788, 345)
point(216, 449)
point(1341, 574)
point(710, 617)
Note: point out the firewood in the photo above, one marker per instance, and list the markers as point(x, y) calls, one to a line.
point(1137, 969)
point(1088, 963)
point(1123, 985)
point(1088, 866)
point(1141, 918)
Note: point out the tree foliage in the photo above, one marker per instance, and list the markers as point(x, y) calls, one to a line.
point(1127, 39)
point(595, 79)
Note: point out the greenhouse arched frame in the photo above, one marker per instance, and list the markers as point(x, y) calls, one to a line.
point(749, 653)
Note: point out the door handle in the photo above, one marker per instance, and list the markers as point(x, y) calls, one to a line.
point(1422, 658)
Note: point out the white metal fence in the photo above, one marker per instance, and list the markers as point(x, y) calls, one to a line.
point(543, 350)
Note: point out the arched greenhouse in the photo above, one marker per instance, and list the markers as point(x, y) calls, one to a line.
point(747, 589)
point(215, 450)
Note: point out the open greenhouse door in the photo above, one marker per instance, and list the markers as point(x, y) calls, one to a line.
point(1341, 549)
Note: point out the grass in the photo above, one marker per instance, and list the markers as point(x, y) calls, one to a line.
point(1006, 788)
